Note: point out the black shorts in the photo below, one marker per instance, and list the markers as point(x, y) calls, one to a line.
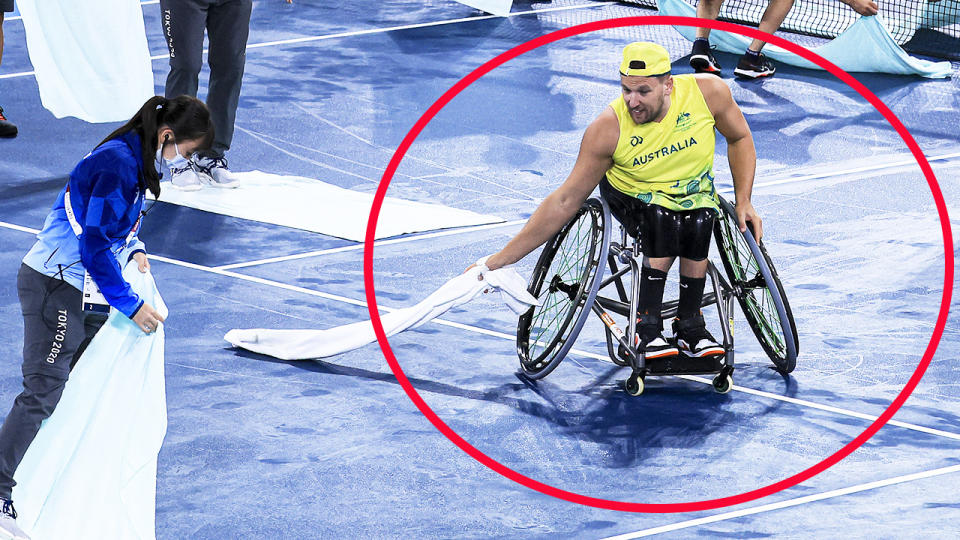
point(6, 5)
point(661, 232)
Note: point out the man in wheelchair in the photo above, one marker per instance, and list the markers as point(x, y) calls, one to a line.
point(651, 152)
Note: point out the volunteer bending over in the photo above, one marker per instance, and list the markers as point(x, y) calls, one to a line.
point(71, 277)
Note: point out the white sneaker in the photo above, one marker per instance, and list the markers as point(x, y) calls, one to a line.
point(8, 523)
point(185, 179)
point(693, 339)
point(215, 173)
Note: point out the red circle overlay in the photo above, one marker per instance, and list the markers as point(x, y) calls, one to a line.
point(664, 507)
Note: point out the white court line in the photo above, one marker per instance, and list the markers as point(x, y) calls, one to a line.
point(445, 233)
point(788, 503)
point(378, 243)
point(786, 399)
point(420, 25)
point(305, 158)
point(379, 170)
point(18, 228)
point(866, 168)
point(828, 408)
point(265, 139)
point(370, 31)
point(17, 74)
point(449, 170)
point(510, 337)
point(337, 127)
point(267, 282)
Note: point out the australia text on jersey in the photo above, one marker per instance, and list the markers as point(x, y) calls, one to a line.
point(664, 151)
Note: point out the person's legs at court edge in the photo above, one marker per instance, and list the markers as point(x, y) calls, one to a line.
point(228, 25)
point(753, 64)
point(7, 128)
point(183, 23)
point(701, 56)
point(55, 329)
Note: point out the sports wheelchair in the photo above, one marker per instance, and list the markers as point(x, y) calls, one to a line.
point(568, 279)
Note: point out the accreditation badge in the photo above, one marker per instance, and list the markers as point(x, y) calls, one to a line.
point(93, 300)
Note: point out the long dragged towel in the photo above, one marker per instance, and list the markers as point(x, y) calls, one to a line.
point(91, 473)
point(866, 46)
point(90, 58)
point(309, 344)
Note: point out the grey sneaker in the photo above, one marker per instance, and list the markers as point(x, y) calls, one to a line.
point(214, 172)
point(8, 522)
point(185, 179)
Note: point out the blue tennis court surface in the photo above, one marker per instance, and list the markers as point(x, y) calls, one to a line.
point(262, 448)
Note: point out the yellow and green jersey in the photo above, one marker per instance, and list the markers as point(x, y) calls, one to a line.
point(668, 163)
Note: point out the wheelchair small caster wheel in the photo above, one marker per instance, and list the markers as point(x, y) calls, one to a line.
point(634, 384)
point(722, 383)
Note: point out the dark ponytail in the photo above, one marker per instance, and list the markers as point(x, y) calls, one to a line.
point(187, 116)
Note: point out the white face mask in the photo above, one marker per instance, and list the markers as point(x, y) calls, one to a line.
point(179, 162)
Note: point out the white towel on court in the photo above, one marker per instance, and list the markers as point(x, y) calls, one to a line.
point(308, 344)
point(90, 57)
point(91, 473)
point(312, 205)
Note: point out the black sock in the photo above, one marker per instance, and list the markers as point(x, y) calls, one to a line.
point(652, 282)
point(691, 296)
point(702, 42)
point(753, 54)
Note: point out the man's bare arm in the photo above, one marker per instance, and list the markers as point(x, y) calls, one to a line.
point(741, 153)
point(595, 158)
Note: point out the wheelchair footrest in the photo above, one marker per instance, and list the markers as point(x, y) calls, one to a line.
point(685, 365)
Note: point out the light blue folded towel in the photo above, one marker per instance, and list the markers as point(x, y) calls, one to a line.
point(91, 473)
point(866, 46)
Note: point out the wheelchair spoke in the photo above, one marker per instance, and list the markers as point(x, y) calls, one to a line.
point(565, 277)
point(570, 262)
point(552, 313)
point(758, 291)
point(765, 313)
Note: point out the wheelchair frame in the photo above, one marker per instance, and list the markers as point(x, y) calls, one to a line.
point(581, 290)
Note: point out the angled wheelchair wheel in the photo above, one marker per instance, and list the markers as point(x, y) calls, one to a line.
point(565, 280)
point(758, 289)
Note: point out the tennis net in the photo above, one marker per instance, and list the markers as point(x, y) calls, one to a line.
point(930, 27)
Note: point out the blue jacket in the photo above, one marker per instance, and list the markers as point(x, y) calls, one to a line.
point(106, 199)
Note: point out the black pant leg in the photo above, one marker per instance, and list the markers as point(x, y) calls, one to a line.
point(53, 329)
point(39, 398)
point(183, 22)
point(228, 25)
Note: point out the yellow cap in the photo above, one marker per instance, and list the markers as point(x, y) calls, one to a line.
point(644, 59)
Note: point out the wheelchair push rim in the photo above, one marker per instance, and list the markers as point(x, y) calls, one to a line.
point(758, 290)
point(565, 280)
